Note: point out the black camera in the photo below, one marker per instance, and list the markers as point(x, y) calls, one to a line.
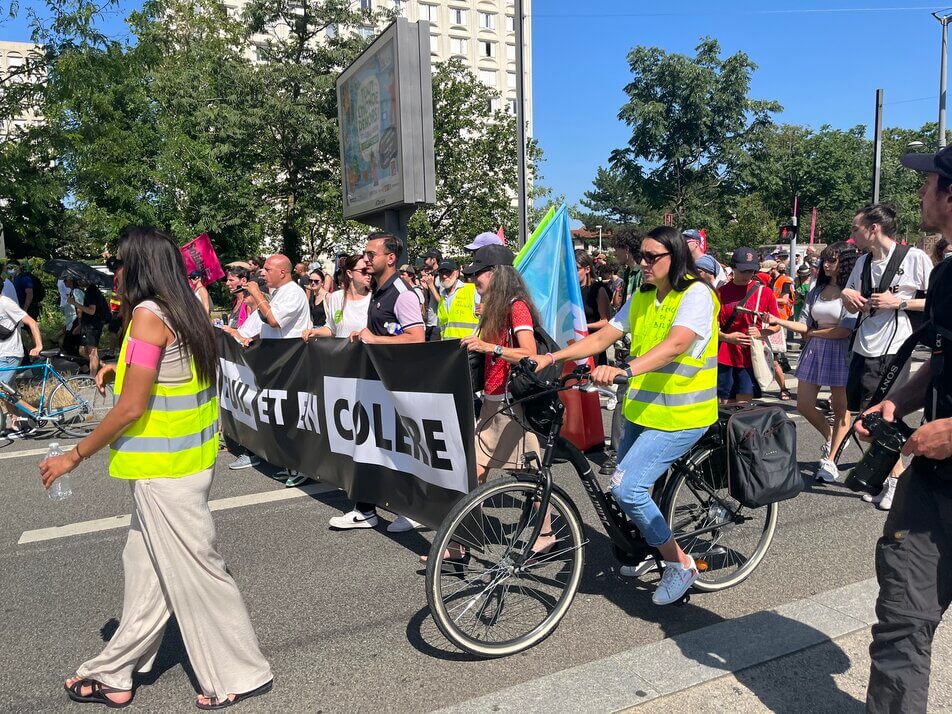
point(888, 438)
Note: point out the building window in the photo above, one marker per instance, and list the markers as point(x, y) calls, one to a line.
point(459, 46)
point(487, 49)
point(511, 80)
point(487, 21)
point(231, 11)
point(14, 60)
point(430, 13)
point(457, 16)
point(510, 23)
point(488, 77)
point(512, 106)
point(434, 45)
point(511, 53)
point(367, 5)
point(331, 31)
point(367, 32)
point(400, 7)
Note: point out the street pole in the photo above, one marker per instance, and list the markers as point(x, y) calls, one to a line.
point(878, 145)
point(943, 71)
point(522, 189)
point(599, 238)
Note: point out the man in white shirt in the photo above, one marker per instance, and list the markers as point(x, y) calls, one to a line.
point(883, 324)
point(284, 317)
point(11, 352)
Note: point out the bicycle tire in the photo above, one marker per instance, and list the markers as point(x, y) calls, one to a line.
point(488, 501)
point(86, 406)
point(696, 498)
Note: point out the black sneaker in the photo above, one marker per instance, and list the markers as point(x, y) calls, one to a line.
point(608, 467)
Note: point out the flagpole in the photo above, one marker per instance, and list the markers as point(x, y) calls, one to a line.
point(522, 188)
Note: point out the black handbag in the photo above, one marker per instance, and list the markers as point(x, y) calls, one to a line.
point(762, 456)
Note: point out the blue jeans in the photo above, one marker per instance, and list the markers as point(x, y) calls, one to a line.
point(7, 375)
point(643, 456)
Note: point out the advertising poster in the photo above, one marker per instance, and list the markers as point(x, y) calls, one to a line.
point(369, 118)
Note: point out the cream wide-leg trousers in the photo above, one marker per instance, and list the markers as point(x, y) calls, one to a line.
point(171, 566)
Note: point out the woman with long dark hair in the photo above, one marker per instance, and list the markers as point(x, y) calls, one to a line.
point(826, 327)
point(346, 309)
point(672, 392)
point(162, 436)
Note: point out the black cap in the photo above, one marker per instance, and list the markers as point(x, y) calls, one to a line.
point(433, 253)
point(744, 258)
point(448, 265)
point(940, 162)
point(197, 274)
point(487, 257)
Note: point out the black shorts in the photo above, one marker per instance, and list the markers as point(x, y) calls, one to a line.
point(864, 377)
point(115, 323)
point(89, 335)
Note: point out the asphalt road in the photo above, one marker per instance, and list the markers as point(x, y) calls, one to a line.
point(342, 615)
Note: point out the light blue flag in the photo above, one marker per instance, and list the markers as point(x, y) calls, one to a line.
point(548, 267)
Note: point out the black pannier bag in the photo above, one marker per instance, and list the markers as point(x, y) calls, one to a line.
point(541, 410)
point(762, 456)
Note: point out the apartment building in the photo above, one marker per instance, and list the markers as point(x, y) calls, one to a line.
point(13, 56)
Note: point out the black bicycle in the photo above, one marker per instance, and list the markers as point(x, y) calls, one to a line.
point(493, 592)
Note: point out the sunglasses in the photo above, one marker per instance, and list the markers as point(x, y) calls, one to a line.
point(369, 254)
point(316, 282)
point(652, 258)
point(113, 264)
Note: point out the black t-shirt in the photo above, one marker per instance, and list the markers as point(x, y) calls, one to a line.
point(590, 295)
point(94, 297)
point(939, 309)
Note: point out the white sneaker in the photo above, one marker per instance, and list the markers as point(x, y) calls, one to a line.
point(354, 519)
point(402, 524)
point(877, 499)
point(642, 568)
point(675, 581)
point(886, 497)
point(828, 473)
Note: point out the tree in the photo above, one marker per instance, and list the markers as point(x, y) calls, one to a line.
point(616, 196)
point(691, 119)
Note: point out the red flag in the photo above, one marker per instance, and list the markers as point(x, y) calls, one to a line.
point(199, 254)
point(812, 224)
point(703, 240)
point(502, 235)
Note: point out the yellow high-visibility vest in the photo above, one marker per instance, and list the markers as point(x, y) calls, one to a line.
point(682, 394)
point(176, 436)
point(460, 319)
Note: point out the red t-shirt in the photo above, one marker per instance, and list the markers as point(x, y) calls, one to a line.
point(497, 369)
point(730, 294)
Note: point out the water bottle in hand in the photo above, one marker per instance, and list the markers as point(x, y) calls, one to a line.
point(61, 487)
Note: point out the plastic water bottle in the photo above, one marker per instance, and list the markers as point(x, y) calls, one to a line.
point(393, 328)
point(61, 488)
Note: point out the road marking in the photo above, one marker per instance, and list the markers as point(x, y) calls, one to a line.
point(222, 504)
point(30, 452)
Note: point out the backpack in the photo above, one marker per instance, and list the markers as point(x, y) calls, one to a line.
point(542, 410)
point(762, 456)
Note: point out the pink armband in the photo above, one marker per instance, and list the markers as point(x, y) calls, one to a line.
point(143, 354)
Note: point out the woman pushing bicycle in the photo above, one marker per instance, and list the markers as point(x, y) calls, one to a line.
point(672, 393)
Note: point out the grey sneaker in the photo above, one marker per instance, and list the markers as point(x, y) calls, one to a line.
point(244, 461)
point(675, 581)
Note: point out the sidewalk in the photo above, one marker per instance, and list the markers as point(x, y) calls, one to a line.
point(809, 655)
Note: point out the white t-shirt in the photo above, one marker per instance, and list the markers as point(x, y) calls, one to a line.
point(721, 276)
point(881, 333)
point(290, 309)
point(251, 327)
point(10, 316)
point(344, 318)
point(696, 312)
point(9, 291)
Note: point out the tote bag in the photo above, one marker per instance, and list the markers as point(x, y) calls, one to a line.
point(761, 357)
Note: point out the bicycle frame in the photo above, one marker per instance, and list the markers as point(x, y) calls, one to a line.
point(40, 412)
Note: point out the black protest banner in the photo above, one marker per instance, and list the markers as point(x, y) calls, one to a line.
point(389, 424)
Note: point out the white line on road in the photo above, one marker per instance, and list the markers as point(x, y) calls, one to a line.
point(222, 504)
point(30, 452)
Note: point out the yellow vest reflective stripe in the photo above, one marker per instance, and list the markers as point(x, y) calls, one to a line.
point(176, 436)
point(683, 393)
point(460, 319)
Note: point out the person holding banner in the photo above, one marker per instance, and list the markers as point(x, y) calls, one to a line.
point(346, 309)
point(162, 438)
point(672, 392)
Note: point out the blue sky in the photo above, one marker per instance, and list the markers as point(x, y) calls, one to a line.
point(823, 61)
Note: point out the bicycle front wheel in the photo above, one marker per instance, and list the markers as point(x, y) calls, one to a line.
point(485, 603)
point(80, 405)
point(726, 539)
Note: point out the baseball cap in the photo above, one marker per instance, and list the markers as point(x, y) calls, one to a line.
point(939, 162)
point(487, 257)
point(768, 264)
point(433, 253)
point(407, 268)
point(708, 264)
point(744, 258)
point(239, 264)
point(692, 234)
point(484, 239)
point(448, 265)
point(197, 274)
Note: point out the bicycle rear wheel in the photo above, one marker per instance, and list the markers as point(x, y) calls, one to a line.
point(485, 604)
point(727, 540)
point(81, 404)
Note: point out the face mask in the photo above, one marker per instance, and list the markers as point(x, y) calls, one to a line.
point(11, 271)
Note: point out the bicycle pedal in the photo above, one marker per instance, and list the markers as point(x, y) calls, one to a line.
point(685, 599)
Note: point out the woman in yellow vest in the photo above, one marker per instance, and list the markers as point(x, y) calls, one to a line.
point(672, 395)
point(163, 438)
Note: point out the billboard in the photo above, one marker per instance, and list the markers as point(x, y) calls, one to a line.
point(385, 114)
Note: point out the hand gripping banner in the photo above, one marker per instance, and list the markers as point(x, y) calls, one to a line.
point(389, 424)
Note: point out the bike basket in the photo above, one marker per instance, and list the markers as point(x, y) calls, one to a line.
point(762, 456)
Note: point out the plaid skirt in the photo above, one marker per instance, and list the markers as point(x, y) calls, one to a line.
point(824, 362)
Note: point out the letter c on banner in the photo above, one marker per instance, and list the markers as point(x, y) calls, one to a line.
point(361, 421)
point(340, 406)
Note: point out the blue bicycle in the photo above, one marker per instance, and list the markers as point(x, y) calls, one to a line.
point(71, 405)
